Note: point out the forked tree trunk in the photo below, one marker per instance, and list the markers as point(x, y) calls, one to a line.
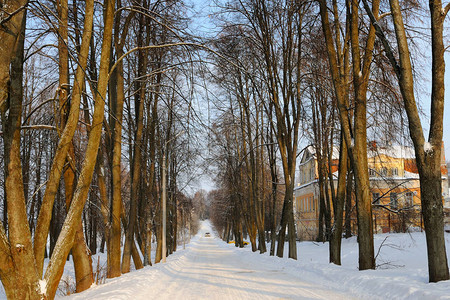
point(80, 252)
point(65, 241)
point(64, 143)
point(357, 138)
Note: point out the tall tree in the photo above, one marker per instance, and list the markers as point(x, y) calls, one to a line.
point(355, 136)
point(427, 152)
point(65, 240)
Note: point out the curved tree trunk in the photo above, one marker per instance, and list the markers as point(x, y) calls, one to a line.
point(56, 267)
point(45, 213)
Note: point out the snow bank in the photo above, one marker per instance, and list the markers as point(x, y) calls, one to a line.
point(401, 273)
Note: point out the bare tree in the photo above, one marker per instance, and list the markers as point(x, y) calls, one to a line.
point(427, 152)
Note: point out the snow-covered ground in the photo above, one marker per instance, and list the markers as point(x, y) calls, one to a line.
point(210, 269)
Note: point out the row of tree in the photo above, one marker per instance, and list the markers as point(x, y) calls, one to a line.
point(97, 115)
point(97, 124)
point(334, 73)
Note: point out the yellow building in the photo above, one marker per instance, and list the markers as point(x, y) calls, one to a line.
point(394, 184)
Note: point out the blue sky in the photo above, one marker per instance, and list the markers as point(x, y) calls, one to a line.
point(204, 24)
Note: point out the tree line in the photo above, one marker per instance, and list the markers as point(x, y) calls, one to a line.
point(98, 121)
point(335, 74)
point(94, 96)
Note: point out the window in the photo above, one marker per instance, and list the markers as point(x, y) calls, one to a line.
point(383, 171)
point(372, 172)
point(393, 202)
point(375, 198)
point(311, 175)
point(313, 204)
point(394, 172)
point(409, 198)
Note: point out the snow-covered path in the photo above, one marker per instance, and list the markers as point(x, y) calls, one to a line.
point(210, 269)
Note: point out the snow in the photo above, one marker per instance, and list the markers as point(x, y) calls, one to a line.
point(211, 269)
point(427, 147)
point(43, 286)
point(312, 150)
point(394, 151)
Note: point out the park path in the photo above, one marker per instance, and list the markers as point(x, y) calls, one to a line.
point(210, 269)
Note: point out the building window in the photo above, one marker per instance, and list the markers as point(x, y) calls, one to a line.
point(313, 204)
point(383, 171)
point(372, 172)
point(311, 175)
point(375, 198)
point(394, 172)
point(409, 198)
point(394, 202)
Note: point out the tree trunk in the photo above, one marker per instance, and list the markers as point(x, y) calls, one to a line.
point(9, 35)
point(65, 241)
point(21, 279)
point(356, 139)
point(338, 206)
point(43, 223)
point(137, 153)
point(428, 156)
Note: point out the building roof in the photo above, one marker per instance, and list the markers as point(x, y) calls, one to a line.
point(310, 152)
point(396, 151)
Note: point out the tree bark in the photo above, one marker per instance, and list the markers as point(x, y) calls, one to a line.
point(14, 12)
point(356, 139)
point(64, 143)
point(427, 160)
point(338, 206)
point(137, 152)
point(56, 267)
point(22, 280)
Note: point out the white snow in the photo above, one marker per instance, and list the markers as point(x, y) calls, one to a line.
point(211, 269)
point(394, 151)
point(43, 286)
point(20, 247)
point(427, 147)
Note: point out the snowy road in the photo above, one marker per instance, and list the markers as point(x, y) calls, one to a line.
point(210, 269)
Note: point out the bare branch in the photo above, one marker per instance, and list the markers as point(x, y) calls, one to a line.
point(446, 9)
point(10, 15)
